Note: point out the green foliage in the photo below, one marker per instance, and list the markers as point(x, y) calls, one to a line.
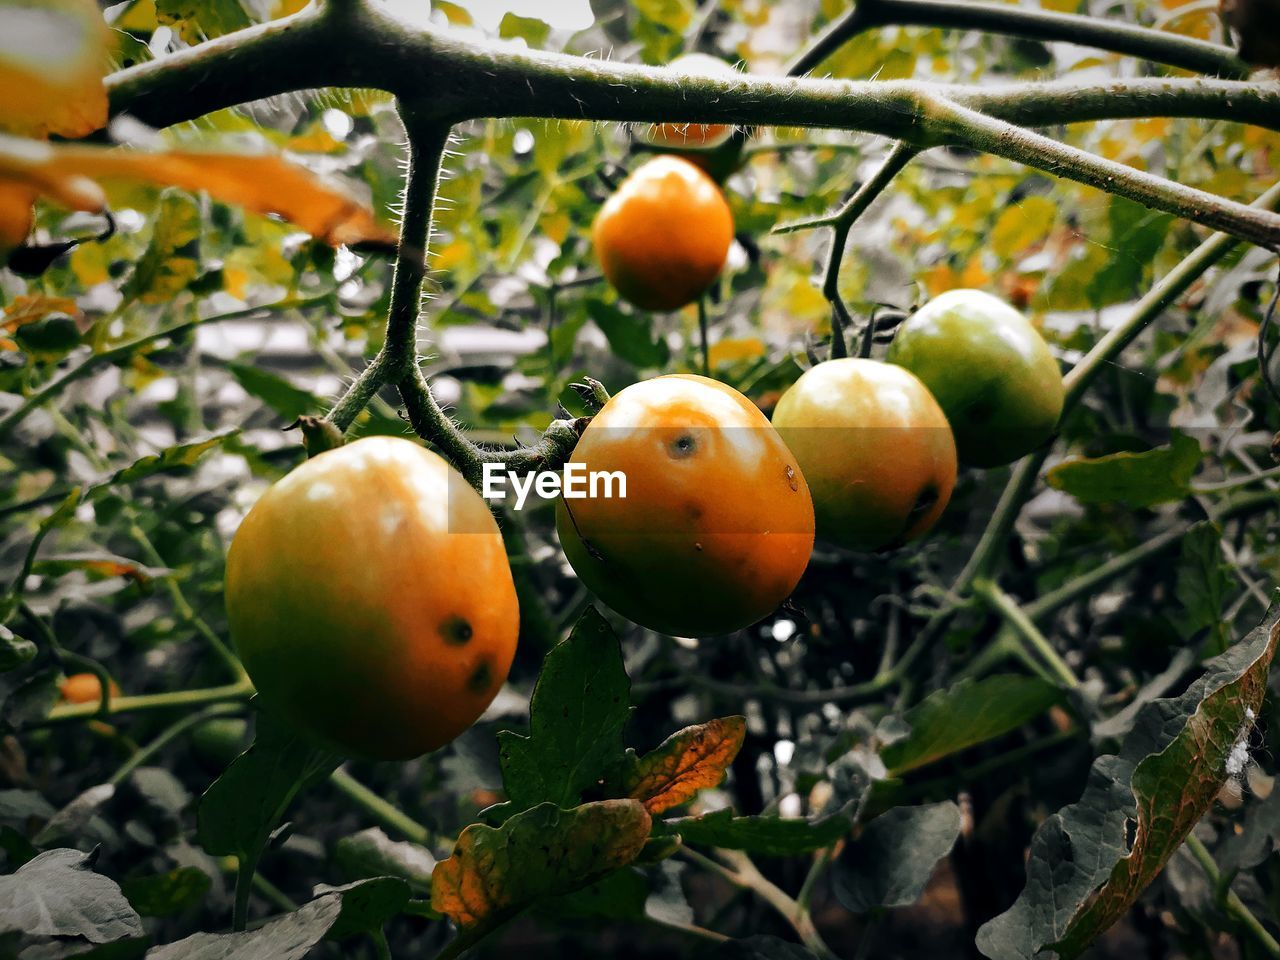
point(891, 861)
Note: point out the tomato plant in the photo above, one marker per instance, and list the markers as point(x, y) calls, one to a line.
point(733, 479)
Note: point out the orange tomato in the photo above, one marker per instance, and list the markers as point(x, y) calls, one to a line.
point(663, 237)
point(875, 447)
point(370, 597)
point(717, 524)
point(85, 688)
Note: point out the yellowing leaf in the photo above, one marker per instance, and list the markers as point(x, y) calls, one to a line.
point(262, 183)
point(29, 309)
point(53, 56)
point(495, 872)
point(733, 350)
point(689, 760)
point(1023, 225)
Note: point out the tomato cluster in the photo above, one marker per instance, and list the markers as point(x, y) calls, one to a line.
point(369, 593)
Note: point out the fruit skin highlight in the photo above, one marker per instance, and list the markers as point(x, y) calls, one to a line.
point(876, 450)
point(717, 525)
point(663, 237)
point(990, 370)
point(371, 600)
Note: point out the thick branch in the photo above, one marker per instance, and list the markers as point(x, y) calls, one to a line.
point(1114, 35)
point(460, 77)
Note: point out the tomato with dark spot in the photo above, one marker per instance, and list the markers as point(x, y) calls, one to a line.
point(717, 524)
point(990, 370)
point(370, 597)
point(875, 448)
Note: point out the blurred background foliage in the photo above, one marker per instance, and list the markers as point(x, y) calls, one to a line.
point(271, 324)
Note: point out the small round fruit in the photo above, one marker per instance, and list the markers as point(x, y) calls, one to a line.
point(218, 741)
point(990, 370)
point(370, 597)
point(717, 524)
point(692, 136)
point(85, 688)
point(663, 236)
point(875, 448)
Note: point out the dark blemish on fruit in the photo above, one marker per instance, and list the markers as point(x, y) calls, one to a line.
point(925, 501)
point(456, 631)
point(481, 678)
point(682, 447)
point(792, 482)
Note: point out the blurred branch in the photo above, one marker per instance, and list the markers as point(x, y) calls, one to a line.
point(1116, 36)
point(1003, 604)
point(1161, 295)
point(1230, 899)
point(386, 813)
point(739, 870)
point(92, 362)
point(152, 701)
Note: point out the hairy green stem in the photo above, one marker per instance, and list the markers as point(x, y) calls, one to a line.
point(463, 77)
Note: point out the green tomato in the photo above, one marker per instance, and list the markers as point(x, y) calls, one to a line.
point(990, 370)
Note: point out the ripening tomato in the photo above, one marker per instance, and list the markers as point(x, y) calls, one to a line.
point(85, 688)
point(876, 450)
point(370, 597)
point(663, 237)
point(691, 136)
point(990, 370)
point(716, 526)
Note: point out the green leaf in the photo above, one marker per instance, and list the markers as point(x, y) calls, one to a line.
point(367, 905)
point(1136, 479)
point(1022, 225)
point(495, 872)
point(172, 259)
point(576, 714)
point(1137, 234)
point(1203, 585)
point(619, 896)
point(164, 894)
point(15, 651)
point(243, 806)
point(968, 713)
point(276, 392)
point(629, 335)
point(58, 895)
point(372, 853)
point(1090, 861)
point(535, 32)
point(771, 836)
point(893, 858)
point(287, 937)
point(178, 457)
